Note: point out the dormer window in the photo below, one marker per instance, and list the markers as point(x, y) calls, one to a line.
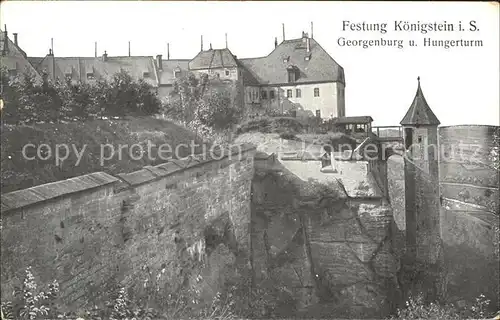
point(292, 74)
point(307, 57)
point(286, 59)
point(177, 72)
point(145, 74)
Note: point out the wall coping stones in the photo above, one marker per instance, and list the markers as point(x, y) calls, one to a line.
point(22, 198)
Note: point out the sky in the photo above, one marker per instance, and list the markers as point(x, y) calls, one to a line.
point(461, 84)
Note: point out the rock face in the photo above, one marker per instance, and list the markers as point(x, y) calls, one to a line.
point(331, 254)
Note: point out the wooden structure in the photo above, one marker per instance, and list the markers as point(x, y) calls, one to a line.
point(355, 126)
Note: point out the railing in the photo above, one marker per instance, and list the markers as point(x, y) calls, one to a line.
point(388, 131)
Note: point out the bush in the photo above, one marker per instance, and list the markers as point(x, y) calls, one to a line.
point(27, 101)
point(288, 136)
point(272, 125)
point(416, 309)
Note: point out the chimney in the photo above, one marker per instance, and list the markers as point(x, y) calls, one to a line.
point(275, 42)
point(312, 30)
point(52, 45)
point(168, 51)
point(226, 40)
point(95, 49)
point(129, 48)
point(15, 39)
point(283, 31)
point(50, 52)
point(202, 43)
point(105, 56)
point(6, 43)
point(210, 45)
point(159, 62)
point(308, 45)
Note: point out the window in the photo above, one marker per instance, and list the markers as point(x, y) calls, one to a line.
point(289, 93)
point(145, 74)
point(264, 94)
point(271, 94)
point(68, 76)
point(227, 72)
point(249, 95)
point(177, 74)
point(298, 93)
point(419, 139)
point(291, 76)
point(318, 113)
point(90, 76)
point(12, 73)
point(316, 92)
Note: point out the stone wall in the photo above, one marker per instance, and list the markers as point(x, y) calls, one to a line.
point(167, 225)
point(330, 254)
point(468, 235)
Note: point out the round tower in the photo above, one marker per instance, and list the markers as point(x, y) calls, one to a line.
point(422, 194)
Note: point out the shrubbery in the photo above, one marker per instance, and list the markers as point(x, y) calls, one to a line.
point(26, 101)
point(203, 106)
point(416, 309)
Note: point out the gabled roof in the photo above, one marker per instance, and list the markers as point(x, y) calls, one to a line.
point(79, 67)
point(15, 58)
point(419, 112)
point(213, 58)
point(272, 69)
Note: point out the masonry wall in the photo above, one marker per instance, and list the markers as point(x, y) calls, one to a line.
point(161, 226)
point(330, 254)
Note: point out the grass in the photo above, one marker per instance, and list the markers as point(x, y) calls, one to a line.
point(19, 173)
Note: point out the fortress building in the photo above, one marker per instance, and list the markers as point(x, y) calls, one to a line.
point(298, 75)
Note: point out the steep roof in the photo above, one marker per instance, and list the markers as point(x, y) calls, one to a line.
point(79, 67)
point(166, 75)
point(419, 112)
point(15, 58)
point(213, 58)
point(272, 69)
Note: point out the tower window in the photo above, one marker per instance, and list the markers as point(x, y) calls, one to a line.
point(298, 93)
point(271, 94)
point(316, 92)
point(289, 93)
point(227, 72)
point(264, 94)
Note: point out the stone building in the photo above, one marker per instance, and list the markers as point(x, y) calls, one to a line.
point(13, 58)
point(297, 75)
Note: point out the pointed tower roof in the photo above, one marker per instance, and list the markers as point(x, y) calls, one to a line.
point(419, 112)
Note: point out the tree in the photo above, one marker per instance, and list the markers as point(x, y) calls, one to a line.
point(185, 98)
